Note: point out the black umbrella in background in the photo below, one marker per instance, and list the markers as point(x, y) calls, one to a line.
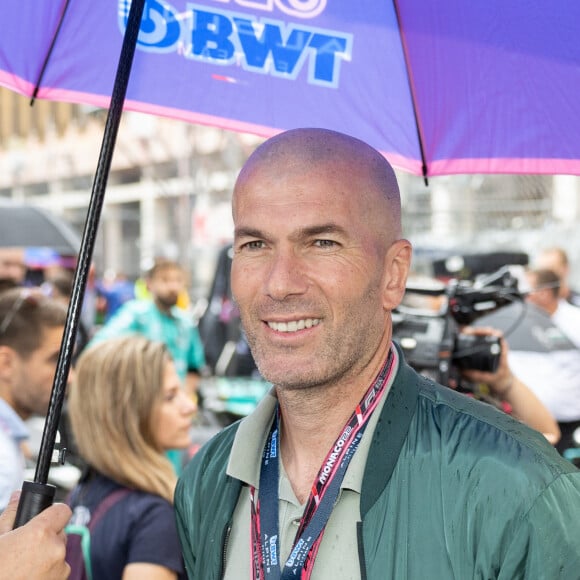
point(37, 495)
point(26, 226)
point(527, 328)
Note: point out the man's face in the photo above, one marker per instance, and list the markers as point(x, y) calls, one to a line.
point(552, 261)
point(541, 297)
point(166, 285)
point(12, 266)
point(308, 274)
point(33, 375)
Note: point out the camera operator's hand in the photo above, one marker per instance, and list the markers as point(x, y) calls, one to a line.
point(504, 385)
point(35, 551)
point(502, 380)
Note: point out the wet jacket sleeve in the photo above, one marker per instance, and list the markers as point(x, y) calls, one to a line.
point(546, 544)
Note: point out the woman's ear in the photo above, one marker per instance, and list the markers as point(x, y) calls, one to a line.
point(397, 266)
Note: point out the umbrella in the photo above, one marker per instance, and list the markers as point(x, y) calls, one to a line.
point(527, 328)
point(439, 86)
point(27, 226)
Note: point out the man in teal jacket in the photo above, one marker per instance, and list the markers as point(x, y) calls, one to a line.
point(354, 466)
point(159, 318)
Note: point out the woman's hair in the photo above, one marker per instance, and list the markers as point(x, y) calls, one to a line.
point(112, 404)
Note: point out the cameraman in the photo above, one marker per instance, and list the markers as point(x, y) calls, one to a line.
point(508, 388)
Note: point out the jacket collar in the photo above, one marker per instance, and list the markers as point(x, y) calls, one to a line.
point(390, 434)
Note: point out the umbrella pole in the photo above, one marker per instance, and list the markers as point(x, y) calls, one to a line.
point(38, 494)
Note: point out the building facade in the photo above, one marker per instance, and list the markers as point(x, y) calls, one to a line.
point(170, 185)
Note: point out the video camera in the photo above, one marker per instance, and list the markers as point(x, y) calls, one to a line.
point(427, 325)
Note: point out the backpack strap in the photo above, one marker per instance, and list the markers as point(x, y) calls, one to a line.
point(106, 505)
point(85, 531)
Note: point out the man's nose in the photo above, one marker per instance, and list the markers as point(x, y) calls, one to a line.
point(286, 275)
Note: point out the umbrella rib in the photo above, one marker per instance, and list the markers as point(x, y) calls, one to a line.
point(49, 53)
point(412, 90)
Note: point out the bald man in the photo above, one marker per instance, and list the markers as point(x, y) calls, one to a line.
point(354, 466)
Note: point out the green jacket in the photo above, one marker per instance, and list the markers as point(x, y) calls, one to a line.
point(453, 489)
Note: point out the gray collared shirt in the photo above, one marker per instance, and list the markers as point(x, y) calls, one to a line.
point(13, 432)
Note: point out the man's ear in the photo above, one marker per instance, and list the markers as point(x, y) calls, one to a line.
point(397, 266)
point(8, 358)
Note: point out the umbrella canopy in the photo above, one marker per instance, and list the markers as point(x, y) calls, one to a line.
point(527, 328)
point(439, 86)
point(26, 226)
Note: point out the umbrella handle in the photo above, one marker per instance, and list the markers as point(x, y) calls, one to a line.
point(38, 495)
point(35, 497)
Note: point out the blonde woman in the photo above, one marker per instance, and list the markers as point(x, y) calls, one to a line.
point(127, 407)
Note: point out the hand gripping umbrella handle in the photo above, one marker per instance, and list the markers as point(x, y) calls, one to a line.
point(38, 495)
point(35, 497)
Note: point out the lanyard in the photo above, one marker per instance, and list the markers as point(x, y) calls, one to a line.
point(265, 542)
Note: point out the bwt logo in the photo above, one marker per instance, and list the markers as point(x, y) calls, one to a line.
point(260, 45)
point(297, 8)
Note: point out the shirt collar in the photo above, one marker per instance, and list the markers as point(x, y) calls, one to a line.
point(11, 423)
point(246, 455)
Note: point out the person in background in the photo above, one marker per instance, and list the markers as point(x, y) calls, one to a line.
point(556, 259)
point(554, 375)
point(59, 285)
point(12, 268)
point(544, 291)
point(36, 550)
point(127, 407)
point(31, 329)
point(355, 466)
point(113, 291)
point(160, 319)
point(501, 388)
point(517, 398)
point(141, 292)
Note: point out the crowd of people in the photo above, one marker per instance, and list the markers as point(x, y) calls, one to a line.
point(128, 416)
point(353, 466)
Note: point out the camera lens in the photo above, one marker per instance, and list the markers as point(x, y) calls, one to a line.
point(479, 353)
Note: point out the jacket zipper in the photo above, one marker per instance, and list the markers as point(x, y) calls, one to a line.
point(226, 539)
point(361, 550)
